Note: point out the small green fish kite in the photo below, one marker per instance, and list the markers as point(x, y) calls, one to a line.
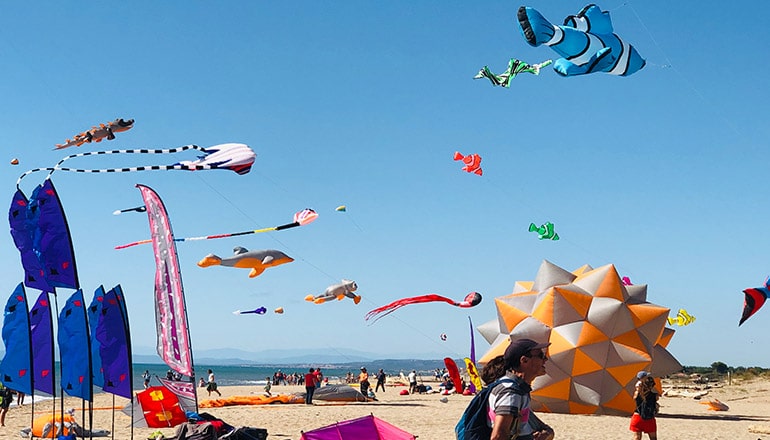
point(515, 67)
point(545, 231)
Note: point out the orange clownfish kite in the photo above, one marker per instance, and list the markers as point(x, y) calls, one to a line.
point(472, 162)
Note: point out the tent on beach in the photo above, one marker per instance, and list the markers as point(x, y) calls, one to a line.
point(337, 393)
point(363, 428)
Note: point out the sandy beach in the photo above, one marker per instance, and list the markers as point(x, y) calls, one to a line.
point(425, 416)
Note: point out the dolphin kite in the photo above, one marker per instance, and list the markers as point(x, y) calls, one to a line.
point(258, 261)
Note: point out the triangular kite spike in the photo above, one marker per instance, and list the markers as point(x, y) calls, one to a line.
point(549, 275)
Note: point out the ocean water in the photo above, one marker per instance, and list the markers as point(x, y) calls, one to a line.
point(254, 375)
point(229, 375)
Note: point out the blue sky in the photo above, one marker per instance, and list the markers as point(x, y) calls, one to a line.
point(363, 104)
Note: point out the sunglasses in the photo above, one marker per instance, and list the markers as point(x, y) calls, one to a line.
point(540, 355)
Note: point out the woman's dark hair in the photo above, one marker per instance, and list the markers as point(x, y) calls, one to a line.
point(493, 370)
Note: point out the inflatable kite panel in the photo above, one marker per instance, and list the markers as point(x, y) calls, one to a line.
point(585, 42)
point(601, 333)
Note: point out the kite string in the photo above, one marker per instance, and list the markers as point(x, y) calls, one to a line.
point(721, 114)
point(366, 300)
point(299, 257)
point(272, 236)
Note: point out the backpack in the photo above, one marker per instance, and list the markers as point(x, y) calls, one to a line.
point(647, 408)
point(473, 423)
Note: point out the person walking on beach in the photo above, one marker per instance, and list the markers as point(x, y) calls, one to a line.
point(509, 400)
point(212, 385)
point(146, 377)
point(268, 385)
point(412, 376)
point(380, 381)
point(363, 381)
point(309, 386)
point(646, 399)
point(6, 397)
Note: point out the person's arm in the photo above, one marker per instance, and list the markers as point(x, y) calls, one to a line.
point(544, 434)
point(502, 427)
point(540, 431)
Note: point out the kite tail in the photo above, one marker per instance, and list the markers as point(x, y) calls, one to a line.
point(58, 167)
point(387, 309)
point(381, 311)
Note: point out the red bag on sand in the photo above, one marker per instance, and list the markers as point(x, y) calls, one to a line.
point(404, 392)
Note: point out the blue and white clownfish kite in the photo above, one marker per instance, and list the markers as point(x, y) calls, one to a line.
point(586, 42)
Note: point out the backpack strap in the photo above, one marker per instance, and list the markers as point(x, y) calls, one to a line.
point(516, 388)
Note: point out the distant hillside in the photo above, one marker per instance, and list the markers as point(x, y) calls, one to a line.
point(338, 357)
point(343, 357)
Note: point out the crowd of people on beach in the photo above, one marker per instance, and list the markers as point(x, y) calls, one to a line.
point(507, 378)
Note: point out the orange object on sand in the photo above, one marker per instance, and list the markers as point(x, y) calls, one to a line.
point(48, 426)
point(250, 400)
point(715, 405)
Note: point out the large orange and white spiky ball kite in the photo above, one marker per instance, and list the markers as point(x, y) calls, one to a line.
point(601, 333)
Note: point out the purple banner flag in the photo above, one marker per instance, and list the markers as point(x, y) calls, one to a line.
point(75, 348)
point(114, 347)
point(41, 328)
point(16, 366)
